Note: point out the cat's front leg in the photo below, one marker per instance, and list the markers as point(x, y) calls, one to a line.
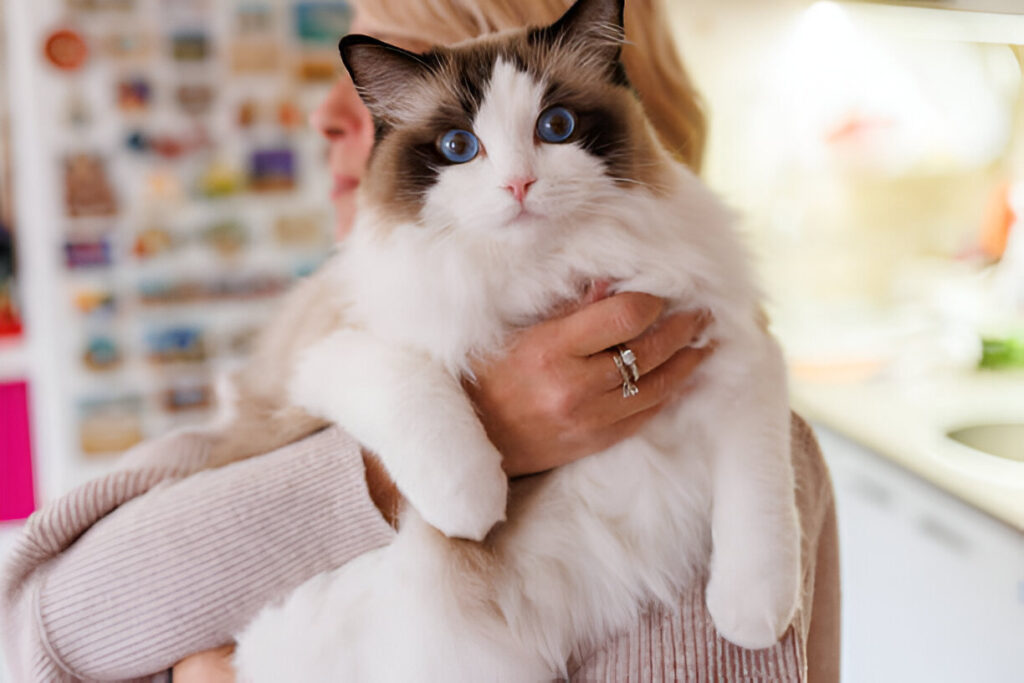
point(410, 411)
point(754, 580)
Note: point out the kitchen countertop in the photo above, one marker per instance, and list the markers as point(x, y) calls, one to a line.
point(906, 421)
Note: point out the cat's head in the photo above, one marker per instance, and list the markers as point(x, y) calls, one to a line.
point(510, 133)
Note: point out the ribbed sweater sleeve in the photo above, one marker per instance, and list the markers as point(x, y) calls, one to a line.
point(124, 576)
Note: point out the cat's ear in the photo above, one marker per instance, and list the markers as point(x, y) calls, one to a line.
point(385, 75)
point(595, 26)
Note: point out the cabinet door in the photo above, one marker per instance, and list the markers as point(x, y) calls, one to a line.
point(17, 491)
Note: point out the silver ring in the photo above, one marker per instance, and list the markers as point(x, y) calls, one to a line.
point(625, 361)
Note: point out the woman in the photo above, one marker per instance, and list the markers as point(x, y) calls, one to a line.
point(189, 557)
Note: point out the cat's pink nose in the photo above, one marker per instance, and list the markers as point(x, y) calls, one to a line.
point(519, 187)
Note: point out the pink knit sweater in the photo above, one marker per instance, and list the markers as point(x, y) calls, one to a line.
point(124, 576)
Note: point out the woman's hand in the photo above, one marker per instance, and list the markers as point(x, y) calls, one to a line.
point(556, 395)
point(211, 666)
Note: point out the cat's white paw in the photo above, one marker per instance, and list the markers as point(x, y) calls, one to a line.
point(752, 602)
point(465, 503)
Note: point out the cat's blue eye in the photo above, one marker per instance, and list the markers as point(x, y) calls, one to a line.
point(458, 146)
point(555, 124)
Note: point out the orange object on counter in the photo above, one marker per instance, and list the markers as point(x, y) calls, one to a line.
point(996, 223)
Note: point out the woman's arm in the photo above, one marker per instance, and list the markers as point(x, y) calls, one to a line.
point(184, 566)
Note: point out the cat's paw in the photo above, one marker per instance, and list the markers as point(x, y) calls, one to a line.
point(753, 602)
point(464, 504)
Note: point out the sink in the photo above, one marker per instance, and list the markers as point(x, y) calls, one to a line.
point(1000, 440)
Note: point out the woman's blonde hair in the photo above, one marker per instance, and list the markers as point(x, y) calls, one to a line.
point(652, 61)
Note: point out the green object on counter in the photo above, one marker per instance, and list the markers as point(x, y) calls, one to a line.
point(1002, 353)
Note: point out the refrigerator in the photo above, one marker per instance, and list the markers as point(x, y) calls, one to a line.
point(166, 188)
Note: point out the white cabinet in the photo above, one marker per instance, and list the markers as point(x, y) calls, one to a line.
point(933, 589)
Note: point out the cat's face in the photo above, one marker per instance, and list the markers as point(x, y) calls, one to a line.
point(508, 134)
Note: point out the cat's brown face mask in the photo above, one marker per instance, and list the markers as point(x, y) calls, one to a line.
point(428, 110)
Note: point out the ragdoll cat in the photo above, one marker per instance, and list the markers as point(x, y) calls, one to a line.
point(508, 172)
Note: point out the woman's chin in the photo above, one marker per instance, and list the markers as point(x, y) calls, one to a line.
point(344, 217)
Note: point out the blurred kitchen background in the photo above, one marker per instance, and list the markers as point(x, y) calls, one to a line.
point(160, 187)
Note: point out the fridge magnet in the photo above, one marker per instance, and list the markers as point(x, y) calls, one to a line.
point(190, 46)
point(151, 242)
point(87, 253)
point(243, 288)
point(254, 18)
point(162, 186)
point(126, 46)
point(220, 179)
point(322, 23)
point(10, 320)
point(252, 56)
point(101, 354)
point(180, 344)
point(289, 114)
point(94, 302)
point(133, 94)
point(300, 230)
point(186, 396)
point(100, 5)
point(317, 68)
point(240, 342)
point(77, 113)
point(194, 99)
point(248, 112)
point(227, 238)
point(272, 170)
point(108, 426)
point(87, 193)
point(66, 49)
point(169, 292)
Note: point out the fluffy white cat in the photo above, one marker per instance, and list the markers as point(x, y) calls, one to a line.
point(508, 172)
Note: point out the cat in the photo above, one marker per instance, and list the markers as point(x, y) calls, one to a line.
point(508, 172)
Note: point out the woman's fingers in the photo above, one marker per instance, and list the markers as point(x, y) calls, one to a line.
point(607, 322)
point(667, 381)
point(652, 348)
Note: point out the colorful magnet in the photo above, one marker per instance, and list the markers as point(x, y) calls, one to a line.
point(289, 115)
point(126, 46)
point(220, 179)
point(78, 114)
point(162, 186)
point(10, 320)
point(101, 354)
point(167, 292)
point(109, 425)
point(227, 238)
point(100, 5)
point(133, 94)
point(186, 396)
point(86, 189)
point(66, 49)
point(254, 56)
point(194, 99)
point(151, 242)
point(181, 344)
point(272, 170)
point(94, 302)
point(322, 22)
point(191, 46)
point(300, 230)
point(317, 69)
point(88, 253)
point(247, 113)
point(254, 18)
